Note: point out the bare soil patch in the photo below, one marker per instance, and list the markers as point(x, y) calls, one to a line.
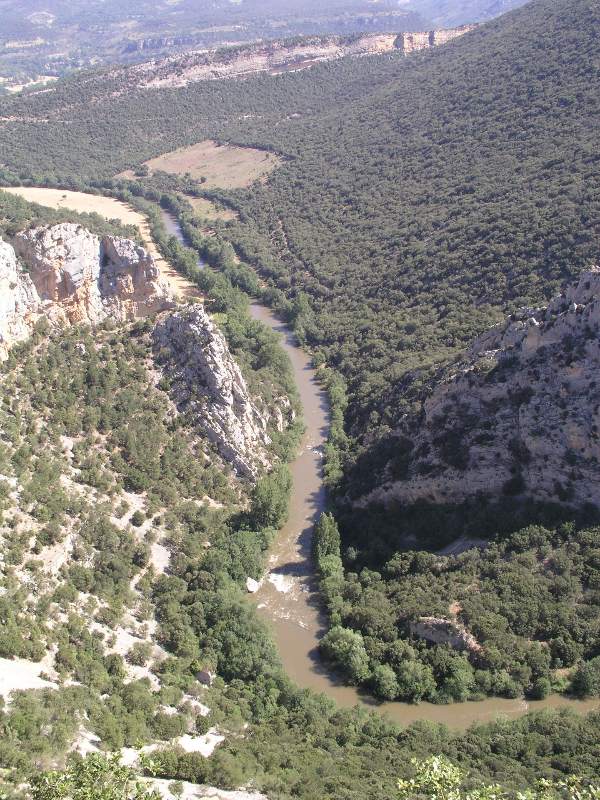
point(225, 166)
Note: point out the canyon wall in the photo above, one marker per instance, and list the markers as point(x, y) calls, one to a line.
point(68, 275)
point(518, 417)
point(280, 56)
point(208, 385)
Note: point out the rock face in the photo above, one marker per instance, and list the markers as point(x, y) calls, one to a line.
point(279, 56)
point(444, 631)
point(19, 301)
point(207, 383)
point(411, 42)
point(519, 416)
point(73, 276)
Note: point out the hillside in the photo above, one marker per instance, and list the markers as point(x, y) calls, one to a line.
point(506, 435)
point(516, 416)
point(405, 222)
point(58, 37)
point(39, 42)
point(133, 445)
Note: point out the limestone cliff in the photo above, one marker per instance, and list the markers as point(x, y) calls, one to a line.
point(519, 416)
point(69, 275)
point(207, 383)
point(19, 301)
point(279, 56)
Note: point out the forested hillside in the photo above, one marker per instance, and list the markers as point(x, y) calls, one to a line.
point(460, 187)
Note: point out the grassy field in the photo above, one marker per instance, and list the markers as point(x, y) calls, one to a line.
point(109, 208)
point(209, 211)
point(225, 166)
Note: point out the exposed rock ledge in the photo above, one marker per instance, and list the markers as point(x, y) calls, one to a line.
point(73, 276)
point(444, 631)
point(518, 416)
point(207, 383)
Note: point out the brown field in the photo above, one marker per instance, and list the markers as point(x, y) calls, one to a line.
point(225, 166)
point(207, 210)
point(109, 208)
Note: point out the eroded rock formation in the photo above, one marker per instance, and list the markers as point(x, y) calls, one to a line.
point(69, 275)
point(207, 383)
point(444, 631)
point(19, 301)
point(279, 56)
point(519, 416)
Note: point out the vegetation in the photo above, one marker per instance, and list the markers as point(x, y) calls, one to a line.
point(95, 778)
point(439, 779)
point(16, 214)
point(476, 166)
point(529, 600)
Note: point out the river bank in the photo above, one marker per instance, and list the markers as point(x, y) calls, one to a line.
point(288, 596)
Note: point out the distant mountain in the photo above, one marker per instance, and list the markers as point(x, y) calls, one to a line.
point(56, 37)
point(444, 13)
point(52, 38)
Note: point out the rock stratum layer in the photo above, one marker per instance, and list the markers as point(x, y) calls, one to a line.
point(72, 276)
point(207, 383)
point(280, 56)
point(518, 417)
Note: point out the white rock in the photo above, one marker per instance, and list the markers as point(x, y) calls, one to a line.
point(522, 402)
point(18, 674)
point(208, 384)
point(74, 276)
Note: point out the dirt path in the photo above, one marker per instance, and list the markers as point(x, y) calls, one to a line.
point(109, 208)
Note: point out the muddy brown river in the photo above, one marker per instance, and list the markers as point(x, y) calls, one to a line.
point(288, 599)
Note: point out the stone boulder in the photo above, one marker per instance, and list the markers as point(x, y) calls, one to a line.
point(444, 631)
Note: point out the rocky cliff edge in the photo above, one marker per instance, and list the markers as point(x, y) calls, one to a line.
point(69, 275)
point(207, 383)
point(519, 416)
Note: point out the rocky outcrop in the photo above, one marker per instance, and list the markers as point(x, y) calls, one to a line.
point(519, 416)
point(207, 383)
point(444, 631)
point(279, 56)
point(70, 276)
point(19, 301)
point(412, 42)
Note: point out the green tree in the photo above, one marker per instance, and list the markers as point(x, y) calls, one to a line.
point(437, 778)
point(93, 778)
point(586, 680)
point(346, 649)
point(385, 683)
point(415, 681)
point(326, 538)
point(270, 498)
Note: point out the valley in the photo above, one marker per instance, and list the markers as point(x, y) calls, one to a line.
point(298, 421)
point(288, 594)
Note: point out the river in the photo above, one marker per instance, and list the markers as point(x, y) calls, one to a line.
point(288, 598)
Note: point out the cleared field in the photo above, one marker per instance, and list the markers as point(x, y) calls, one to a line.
point(224, 165)
point(207, 210)
point(109, 208)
